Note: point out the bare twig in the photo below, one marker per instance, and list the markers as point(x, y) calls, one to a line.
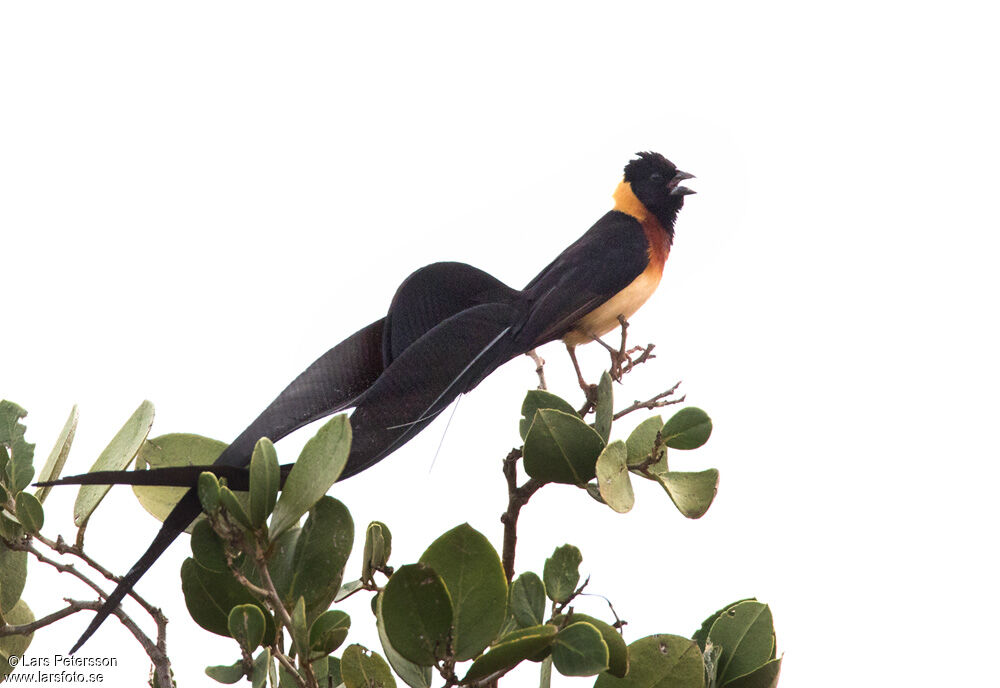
point(156, 651)
point(62, 547)
point(657, 401)
point(558, 608)
point(309, 680)
point(161, 662)
point(25, 545)
point(539, 368)
point(517, 497)
point(79, 535)
point(243, 580)
point(25, 629)
point(286, 662)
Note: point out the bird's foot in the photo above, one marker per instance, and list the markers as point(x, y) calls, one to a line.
point(626, 363)
point(622, 361)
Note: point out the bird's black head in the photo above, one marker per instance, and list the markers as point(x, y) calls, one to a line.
point(655, 181)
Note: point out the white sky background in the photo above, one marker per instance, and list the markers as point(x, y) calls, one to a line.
point(198, 199)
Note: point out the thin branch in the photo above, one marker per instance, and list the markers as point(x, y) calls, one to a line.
point(26, 546)
point(558, 608)
point(271, 591)
point(62, 547)
point(160, 661)
point(657, 401)
point(517, 497)
point(28, 628)
point(275, 599)
point(242, 579)
point(155, 651)
point(539, 368)
point(286, 662)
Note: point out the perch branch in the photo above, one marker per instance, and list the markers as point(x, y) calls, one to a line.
point(517, 497)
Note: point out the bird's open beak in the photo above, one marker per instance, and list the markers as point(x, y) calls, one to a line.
point(674, 185)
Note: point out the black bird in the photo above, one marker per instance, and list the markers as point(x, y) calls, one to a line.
point(449, 326)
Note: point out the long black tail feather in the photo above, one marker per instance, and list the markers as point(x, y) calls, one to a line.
point(447, 329)
point(237, 477)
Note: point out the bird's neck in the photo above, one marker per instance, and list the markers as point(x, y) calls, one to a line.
point(662, 219)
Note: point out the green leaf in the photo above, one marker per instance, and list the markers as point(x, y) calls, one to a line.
point(562, 573)
point(281, 563)
point(317, 469)
point(9, 528)
point(328, 631)
point(57, 457)
point(642, 439)
point(210, 595)
point(29, 511)
point(604, 408)
point(378, 547)
point(745, 634)
point(207, 547)
point(265, 479)
point(17, 468)
point(15, 645)
point(208, 491)
point(228, 500)
point(300, 628)
point(689, 428)
point(115, 457)
point(545, 672)
point(613, 479)
point(511, 650)
point(561, 448)
point(226, 673)
point(413, 674)
point(527, 600)
point(167, 451)
point(246, 625)
point(327, 672)
point(692, 493)
point(540, 399)
point(594, 490)
point(660, 661)
point(348, 589)
point(11, 428)
point(474, 576)
point(580, 650)
point(361, 668)
point(763, 677)
point(617, 650)
point(320, 555)
point(418, 614)
point(13, 573)
point(261, 669)
point(701, 635)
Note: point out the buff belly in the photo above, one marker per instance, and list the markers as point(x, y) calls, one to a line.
point(604, 318)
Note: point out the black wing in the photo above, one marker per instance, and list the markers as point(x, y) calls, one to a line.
point(605, 260)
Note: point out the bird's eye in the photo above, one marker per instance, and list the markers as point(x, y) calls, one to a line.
point(656, 177)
